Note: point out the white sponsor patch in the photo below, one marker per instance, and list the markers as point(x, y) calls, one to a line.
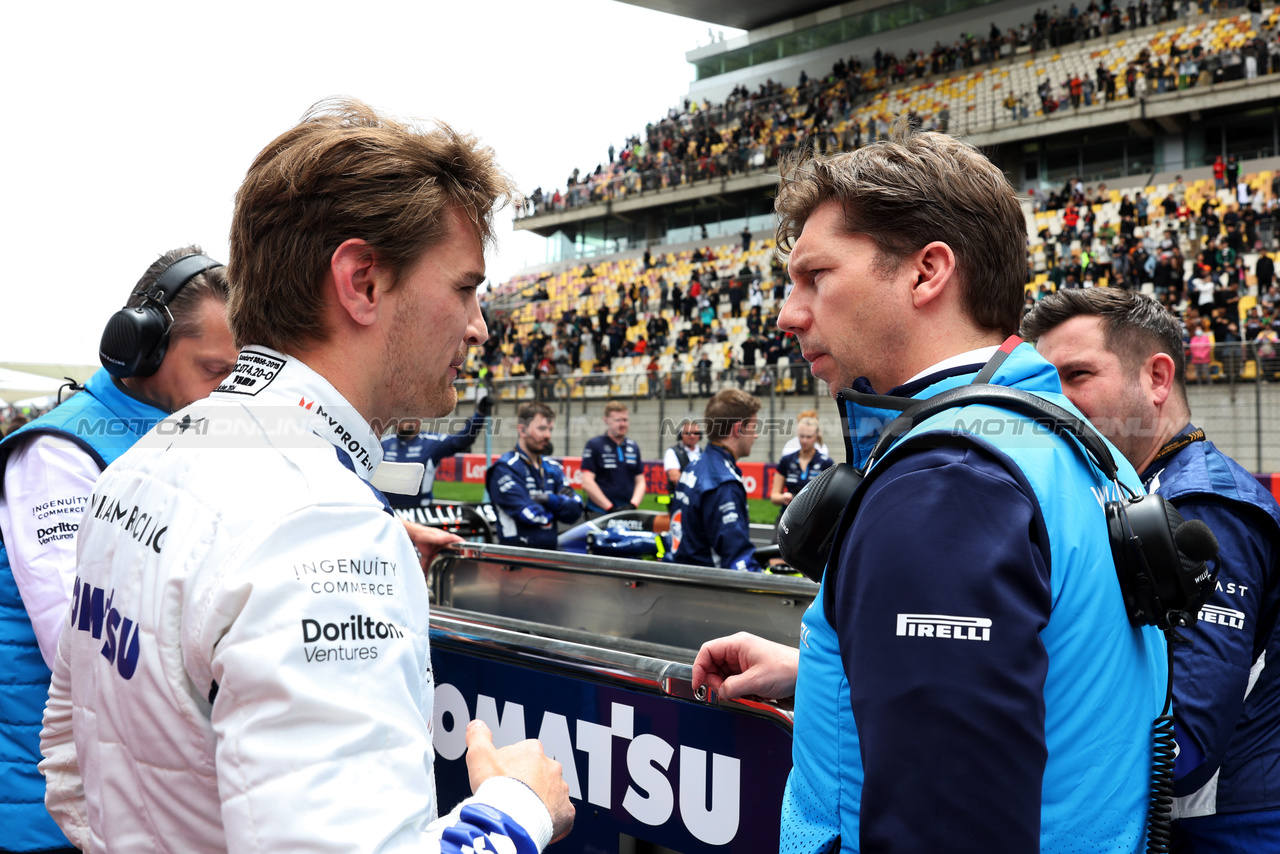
point(1222, 616)
point(254, 372)
point(944, 626)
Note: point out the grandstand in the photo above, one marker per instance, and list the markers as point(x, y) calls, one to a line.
point(1161, 98)
point(1109, 120)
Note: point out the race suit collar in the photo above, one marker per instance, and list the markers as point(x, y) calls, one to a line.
point(972, 357)
point(728, 455)
point(1186, 437)
point(266, 377)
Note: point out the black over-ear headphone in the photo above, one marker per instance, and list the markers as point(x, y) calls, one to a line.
point(136, 339)
point(1160, 559)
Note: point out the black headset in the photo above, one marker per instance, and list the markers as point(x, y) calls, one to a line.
point(1160, 559)
point(136, 339)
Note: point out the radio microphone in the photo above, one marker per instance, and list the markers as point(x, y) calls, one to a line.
point(1196, 541)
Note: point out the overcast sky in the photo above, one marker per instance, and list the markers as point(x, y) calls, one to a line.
point(131, 124)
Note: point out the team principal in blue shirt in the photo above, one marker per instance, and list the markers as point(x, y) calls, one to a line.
point(974, 683)
point(1121, 361)
point(612, 470)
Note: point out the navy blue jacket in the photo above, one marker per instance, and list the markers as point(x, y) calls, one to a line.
point(429, 449)
point(615, 467)
point(1226, 700)
point(710, 525)
point(523, 521)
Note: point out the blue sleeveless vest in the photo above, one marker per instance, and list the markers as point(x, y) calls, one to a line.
point(1106, 679)
point(105, 422)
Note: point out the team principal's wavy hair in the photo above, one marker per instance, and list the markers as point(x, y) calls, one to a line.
point(910, 190)
point(346, 172)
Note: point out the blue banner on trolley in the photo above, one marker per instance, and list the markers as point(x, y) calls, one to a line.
point(681, 774)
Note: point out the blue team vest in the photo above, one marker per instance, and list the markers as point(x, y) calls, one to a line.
point(105, 422)
point(1105, 677)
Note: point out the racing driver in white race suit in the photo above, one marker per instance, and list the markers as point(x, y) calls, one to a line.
point(245, 664)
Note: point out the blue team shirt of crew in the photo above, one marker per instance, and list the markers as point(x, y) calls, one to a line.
point(615, 466)
point(1226, 701)
point(710, 525)
point(523, 520)
point(796, 476)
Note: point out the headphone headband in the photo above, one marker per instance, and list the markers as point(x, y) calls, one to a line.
point(172, 280)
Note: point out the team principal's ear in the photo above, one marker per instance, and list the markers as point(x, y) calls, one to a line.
point(358, 281)
point(934, 267)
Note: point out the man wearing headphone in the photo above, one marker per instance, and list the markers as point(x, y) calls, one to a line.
point(967, 677)
point(169, 346)
point(246, 663)
point(1121, 360)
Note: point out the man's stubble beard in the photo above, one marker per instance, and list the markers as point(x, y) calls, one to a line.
point(413, 396)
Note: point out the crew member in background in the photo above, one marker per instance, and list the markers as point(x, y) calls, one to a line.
point(710, 525)
point(410, 446)
point(48, 471)
point(793, 444)
point(1121, 360)
point(682, 454)
point(528, 488)
point(797, 468)
point(612, 470)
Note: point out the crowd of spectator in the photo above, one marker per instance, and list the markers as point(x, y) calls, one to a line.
point(687, 334)
point(692, 322)
point(11, 418)
point(1190, 247)
point(845, 109)
point(1150, 74)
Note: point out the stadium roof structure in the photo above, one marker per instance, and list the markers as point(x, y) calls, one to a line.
point(742, 14)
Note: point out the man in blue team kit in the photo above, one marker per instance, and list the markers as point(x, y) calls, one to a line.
point(1121, 361)
point(410, 446)
point(710, 525)
point(528, 487)
point(967, 678)
point(612, 470)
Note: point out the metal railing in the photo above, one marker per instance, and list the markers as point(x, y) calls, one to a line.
point(658, 402)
